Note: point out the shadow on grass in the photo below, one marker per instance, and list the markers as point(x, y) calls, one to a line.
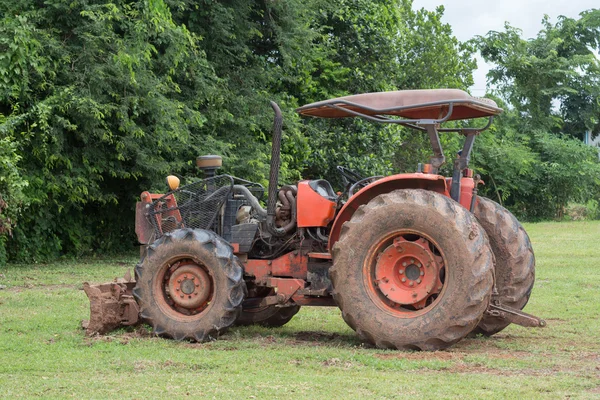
point(293, 337)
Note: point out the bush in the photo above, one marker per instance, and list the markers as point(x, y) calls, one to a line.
point(11, 192)
point(587, 211)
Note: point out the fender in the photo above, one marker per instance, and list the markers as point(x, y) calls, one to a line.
point(436, 183)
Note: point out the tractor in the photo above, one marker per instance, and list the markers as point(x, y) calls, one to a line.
point(414, 261)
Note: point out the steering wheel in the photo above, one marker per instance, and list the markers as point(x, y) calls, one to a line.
point(348, 176)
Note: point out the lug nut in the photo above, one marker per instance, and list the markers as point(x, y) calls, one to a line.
point(411, 283)
point(177, 289)
point(181, 296)
point(178, 280)
point(412, 260)
point(403, 279)
point(401, 271)
point(404, 264)
point(422, 273)
point(419, 265)
point(418, 281)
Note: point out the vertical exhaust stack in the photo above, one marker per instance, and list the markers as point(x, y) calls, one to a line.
point(274, 173)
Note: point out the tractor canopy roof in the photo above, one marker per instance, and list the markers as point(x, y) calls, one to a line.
point(427, 104)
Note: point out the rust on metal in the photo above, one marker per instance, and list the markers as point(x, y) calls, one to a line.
point(143, 228)
point(111, 305)
point(186, 288)
point(406, 271)
point(285, 287)
point(322, 256)
point(189, 286)
point(515, 316)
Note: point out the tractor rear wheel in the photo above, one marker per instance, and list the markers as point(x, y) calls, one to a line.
point(189, 285)
point(515, 262)
point(412, 270)
point(269, 316)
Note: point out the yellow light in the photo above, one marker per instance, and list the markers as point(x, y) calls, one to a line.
point(173, 182)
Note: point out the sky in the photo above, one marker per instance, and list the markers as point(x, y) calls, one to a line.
point(469, 18)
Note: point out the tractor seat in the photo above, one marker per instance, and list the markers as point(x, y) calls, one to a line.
point(410, 104)
point(322, 187)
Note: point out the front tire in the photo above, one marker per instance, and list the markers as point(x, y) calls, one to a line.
point(412, 270)
point(189, 285)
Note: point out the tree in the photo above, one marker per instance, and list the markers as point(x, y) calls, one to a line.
point(552, 79)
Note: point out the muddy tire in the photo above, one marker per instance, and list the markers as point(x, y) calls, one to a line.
point(189, 285)
point(515, 262)
point(392, 250)
point(270, 316)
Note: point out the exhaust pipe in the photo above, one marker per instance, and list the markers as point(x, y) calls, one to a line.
point(274, 173)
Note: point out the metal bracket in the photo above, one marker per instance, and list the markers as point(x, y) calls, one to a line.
point(460, 163)
point(438, 158)
point(515, 316)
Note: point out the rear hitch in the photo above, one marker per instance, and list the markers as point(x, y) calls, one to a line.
point(514, 316)
point(111, 306)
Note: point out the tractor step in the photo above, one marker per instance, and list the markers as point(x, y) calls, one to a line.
point(515, 316)
point(111, 306)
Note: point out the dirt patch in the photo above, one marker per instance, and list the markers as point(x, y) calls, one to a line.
point(319, 338)
point(336, 362)
point(421, 355)
point(306, 336)
point(477, 368)
point(124, 338)
point(594, 390)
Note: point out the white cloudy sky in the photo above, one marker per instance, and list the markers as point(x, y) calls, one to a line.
point(475, 17)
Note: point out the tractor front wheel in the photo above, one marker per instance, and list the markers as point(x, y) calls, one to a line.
point(412, 270)
point(189, 285)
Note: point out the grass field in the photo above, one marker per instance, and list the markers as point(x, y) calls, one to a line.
point(45, 354)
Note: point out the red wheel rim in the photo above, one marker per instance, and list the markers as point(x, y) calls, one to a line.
point(405, 273)
point(184, 288)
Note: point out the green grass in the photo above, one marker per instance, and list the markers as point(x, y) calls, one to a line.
point(45, 354)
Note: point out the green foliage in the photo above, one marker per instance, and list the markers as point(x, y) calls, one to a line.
point(559, 66)
point(104, 99)
point(587, 211)
point(101, 100)
point(535, 173)
point(11, 191)
point(382, 46)
point(552, 86)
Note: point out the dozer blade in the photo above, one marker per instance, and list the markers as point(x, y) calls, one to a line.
point(111, 306)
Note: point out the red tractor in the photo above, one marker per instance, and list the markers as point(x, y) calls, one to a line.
point(414, 261)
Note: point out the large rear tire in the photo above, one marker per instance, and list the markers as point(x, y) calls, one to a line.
point(412, 270)
point(515, 262)
point(189, 285)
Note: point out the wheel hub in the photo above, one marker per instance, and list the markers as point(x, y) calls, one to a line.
point(189, 286)
point(407, 272)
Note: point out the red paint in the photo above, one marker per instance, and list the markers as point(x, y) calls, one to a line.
point(436, 183)
point(312, 208)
